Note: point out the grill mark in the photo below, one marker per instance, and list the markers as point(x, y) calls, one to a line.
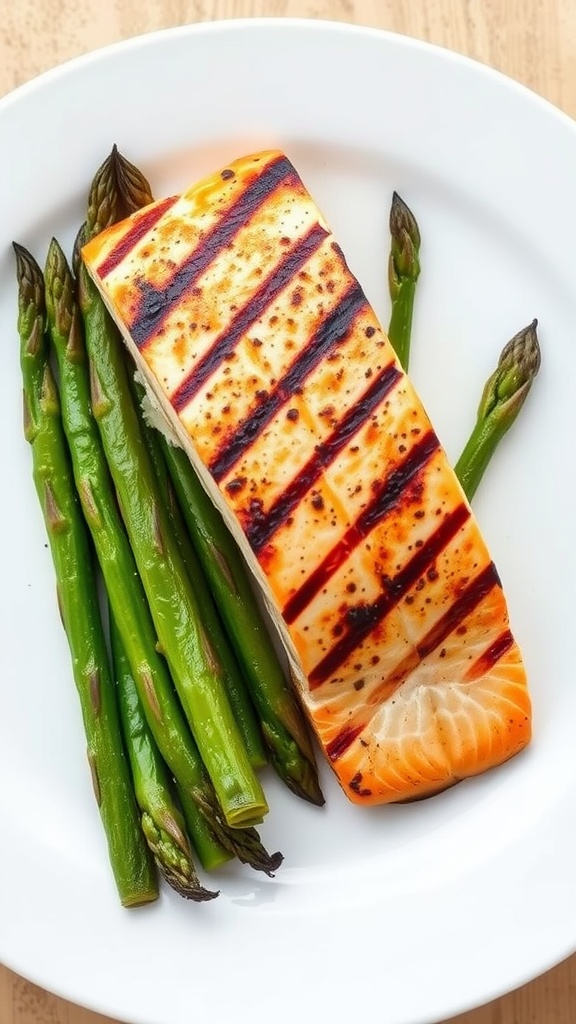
point(331, 332)
point(385, 500)
point(265, 525)
point(463, 606)
point(460, 608)
point(363, 619)
point(281, 275)
point(156, 302)
point(141, 225)
point(468, 600)
point(345, 738)
point(491, 656)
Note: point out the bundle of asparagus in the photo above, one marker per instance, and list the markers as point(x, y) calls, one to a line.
point(194, 700)
point(104, 465)
point(77, 596)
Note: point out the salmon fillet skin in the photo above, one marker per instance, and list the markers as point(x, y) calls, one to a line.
point(268, 365)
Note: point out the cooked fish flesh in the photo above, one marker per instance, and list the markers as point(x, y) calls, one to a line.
point(269, 366)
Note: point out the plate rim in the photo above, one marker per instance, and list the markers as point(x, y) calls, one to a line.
point(30, 88)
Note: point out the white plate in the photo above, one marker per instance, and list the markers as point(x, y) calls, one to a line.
point(400, 915)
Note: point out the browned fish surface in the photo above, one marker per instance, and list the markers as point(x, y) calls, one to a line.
point(271, 366)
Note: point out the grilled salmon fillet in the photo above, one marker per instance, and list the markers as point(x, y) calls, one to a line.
point(271, 369)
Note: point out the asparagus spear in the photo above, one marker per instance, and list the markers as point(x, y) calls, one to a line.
point(235, 685)
point(214, 841)
point(503, 396)
point(282, 722)
point(192, 659)
point(403, 273)
point(130, 858)
point(162, 821)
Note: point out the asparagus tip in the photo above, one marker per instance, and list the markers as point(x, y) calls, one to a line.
point(311, 792)
point(173, 858)
point(118, 189)
point(31, 297)
point(523, 350)
point(189, 889)
point(24, 259)
point(55, 252)
point(517, 367)
point(404, 258)
point(246, 846)
point(296, 770)
point(502, 398)
point(403, 221)
point(59, 289)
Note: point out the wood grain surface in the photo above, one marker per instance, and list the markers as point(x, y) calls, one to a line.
point(533, 41)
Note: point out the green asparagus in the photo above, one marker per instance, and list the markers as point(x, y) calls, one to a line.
point(162, 821)
point(503, 396)
point(235, 685)
point(403, 273)
point(282, 722)
point(213, 840)
point(130, 858)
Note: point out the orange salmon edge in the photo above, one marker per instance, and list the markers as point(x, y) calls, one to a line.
point(451, 697)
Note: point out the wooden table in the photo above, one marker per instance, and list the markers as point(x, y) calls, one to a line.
point(533, 41)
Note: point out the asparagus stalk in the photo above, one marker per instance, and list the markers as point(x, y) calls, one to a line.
point(282, 722)
point(194, 663)
point(130, 858)
point(403, 273)
point(213, 840)
point(162, 821)
point(235, 685)
point(503, 396)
